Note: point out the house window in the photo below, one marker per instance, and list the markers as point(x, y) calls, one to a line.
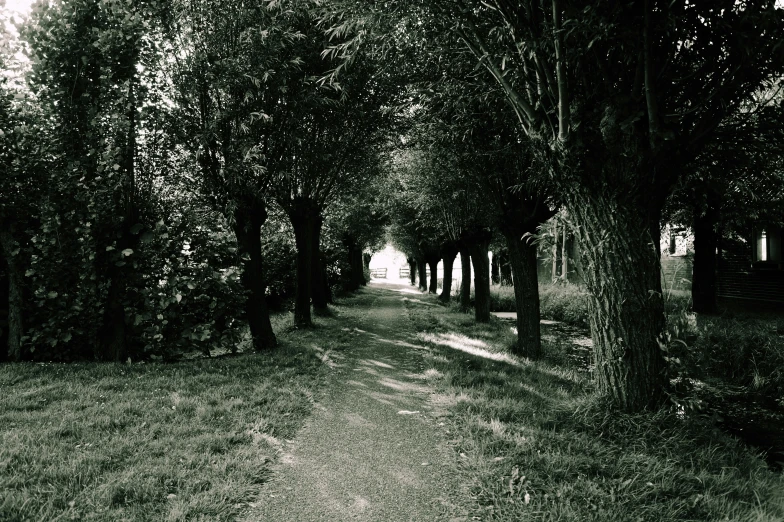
point(767, 245)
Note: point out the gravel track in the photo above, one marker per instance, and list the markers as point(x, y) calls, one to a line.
point(373, 449)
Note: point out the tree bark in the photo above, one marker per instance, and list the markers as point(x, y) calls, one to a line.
point(366, 266)
point(465, 283)
point(706, 241)
point(432, 262)
point(15, 296)
point(304, 216)
point(495, 269)
point(619, 235)
point(412, 270)
point(422, 269)
point(449, 253)
point(355, 277)
point(523, 260)
point(479, 250)
point(247, 228)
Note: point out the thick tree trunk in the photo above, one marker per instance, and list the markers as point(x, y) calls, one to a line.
point(433, 264)
point(359, 267)
point(412, 270)
point(449, 253)
point(523, 260)
point(465, 282)
point(304, 217)
point(422, 270)
point(247, 227)
point(15, 296)
point(706, 241)
point(479, 250)
point(623, 277)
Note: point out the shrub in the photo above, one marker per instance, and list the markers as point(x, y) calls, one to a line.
point(562, 302)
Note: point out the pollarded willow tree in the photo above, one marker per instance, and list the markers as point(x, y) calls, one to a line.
point(338, 131)
point(616, 93)
point(489, 150)
point(240, 92)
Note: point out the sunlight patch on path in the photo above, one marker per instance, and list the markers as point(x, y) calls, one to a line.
point(469, 346)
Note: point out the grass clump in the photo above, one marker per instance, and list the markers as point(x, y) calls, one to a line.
point(192, 440)
point(538, 446)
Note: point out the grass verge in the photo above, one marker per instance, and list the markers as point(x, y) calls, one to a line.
point(536, 446)
point(191, 440)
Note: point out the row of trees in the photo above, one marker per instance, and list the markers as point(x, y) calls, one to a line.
point(613, 106)
point(157, 152)
point(148, 147)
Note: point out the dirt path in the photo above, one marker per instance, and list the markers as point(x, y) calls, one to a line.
point(373, 449)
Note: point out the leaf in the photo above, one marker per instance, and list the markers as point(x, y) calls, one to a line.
point(178, 297)
point(109, 248)
point(127, 252)
point(52, 294)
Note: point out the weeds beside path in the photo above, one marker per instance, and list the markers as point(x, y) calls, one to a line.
point(373, 449)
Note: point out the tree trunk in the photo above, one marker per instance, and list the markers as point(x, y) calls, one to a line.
point(495, 269)
point(433, 264)
point(354, 278)
point(15, 296)
point(465, 283)
point(412, 270)
point(247, 228)
point(449, 253)
point(304, 217)
point(706, 241)
point(358, 268)
point(422, 272)
point(364, 259)
point(623, 277)
point(523, 260)
point(479, 250)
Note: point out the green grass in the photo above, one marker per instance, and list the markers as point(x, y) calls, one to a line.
point(192, 440)
point(535, 444)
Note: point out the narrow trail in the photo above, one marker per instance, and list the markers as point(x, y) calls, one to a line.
point(373, 449)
